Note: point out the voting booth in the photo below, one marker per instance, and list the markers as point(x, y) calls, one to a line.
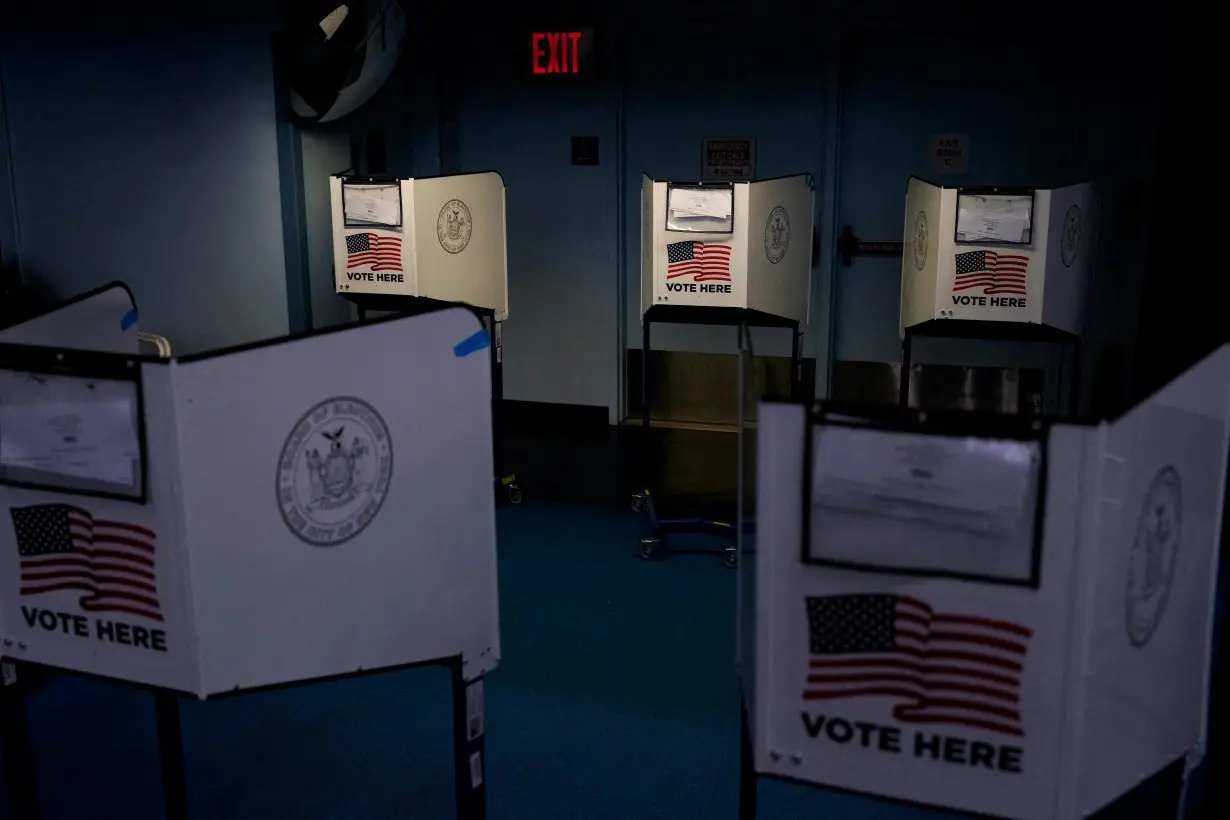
point(743, 245)
point(439, 238)
point(411, 245)
point(284, 512)
point(997, 263)
point(989, 614)
point(737, 254)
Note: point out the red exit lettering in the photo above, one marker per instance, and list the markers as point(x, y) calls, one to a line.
point(556, 52)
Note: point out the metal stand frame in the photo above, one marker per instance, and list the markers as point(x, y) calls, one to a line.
point(1070, 345)
point(505, 482)
point(659, 526)
point(469, 733)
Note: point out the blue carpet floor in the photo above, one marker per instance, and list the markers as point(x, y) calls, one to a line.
point(616, 700)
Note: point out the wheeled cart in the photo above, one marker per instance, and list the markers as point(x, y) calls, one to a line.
point(412, 246)
point(272, 515)
point(657, 526)
point(733, 254)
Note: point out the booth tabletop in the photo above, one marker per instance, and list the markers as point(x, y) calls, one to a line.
point(702, 315)
point(990, 331)
point(398, 303)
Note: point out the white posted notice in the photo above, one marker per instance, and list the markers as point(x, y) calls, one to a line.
point(374, 204)
point(87, 439)
point(699, 202)
point(960, 483)
point(994, 218)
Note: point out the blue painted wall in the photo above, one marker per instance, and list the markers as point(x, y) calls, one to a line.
point(560, 340)
point(161, 162)
point(152, 160)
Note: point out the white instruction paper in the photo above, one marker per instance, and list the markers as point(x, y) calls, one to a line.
point(994, 218)
point(695, 202)
point(378, 205)
point(962, 483)
point(88, 439)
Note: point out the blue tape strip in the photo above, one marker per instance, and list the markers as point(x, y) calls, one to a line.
point(478, 341)
point(130, 319)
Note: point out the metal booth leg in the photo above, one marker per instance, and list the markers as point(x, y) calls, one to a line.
point(639, 500)
point(171, 755)
point(903, 393)
point(796, 360)
point(18, 755)
point(747, 768)
point(645, 324)
point(469, 733)
point(505, 481)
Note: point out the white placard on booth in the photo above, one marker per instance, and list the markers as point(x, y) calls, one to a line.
point(309, 507)
point(440, 238)
point(924, 671)
point(736, 244)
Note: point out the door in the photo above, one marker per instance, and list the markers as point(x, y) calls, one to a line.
point(902, 85)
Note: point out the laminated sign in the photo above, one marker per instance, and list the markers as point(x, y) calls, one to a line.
point(729, 158)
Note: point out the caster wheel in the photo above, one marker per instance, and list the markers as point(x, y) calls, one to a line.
point(730, 557)
point(649, 548)
point(638, 503)
point(514, 493)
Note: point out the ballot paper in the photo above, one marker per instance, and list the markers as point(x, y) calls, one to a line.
point(698, 210)
point(713, 203)
point(84, 439)
point(372, 204)
point(994, 218)
point(978, 485)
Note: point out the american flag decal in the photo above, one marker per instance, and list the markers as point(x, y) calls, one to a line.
point(63, 547)
point(703, 261)
point(373, 252)
point(960, 670)
point(992, 271)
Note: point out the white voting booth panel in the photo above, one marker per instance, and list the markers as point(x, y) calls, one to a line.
point(738, 245)
point(996, 255)
point(439, 238)
point(102, 319)
point(1039, 677)
point(312, 507)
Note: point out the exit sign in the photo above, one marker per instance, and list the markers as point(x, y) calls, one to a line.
point(562, 53)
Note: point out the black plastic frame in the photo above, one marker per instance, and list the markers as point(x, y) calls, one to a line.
point(907, 420)
point(88, 365)
point(990, 191)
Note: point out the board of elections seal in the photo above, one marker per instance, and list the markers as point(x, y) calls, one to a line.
point(777, 235)
point(1070, 237)
point(920, 240)
point(1155, 551)
point(454, 226)
point(334, 471)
